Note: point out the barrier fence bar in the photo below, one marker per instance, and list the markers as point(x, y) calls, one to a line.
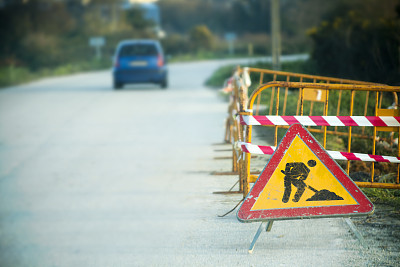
point(269, 150)
point(382, 121)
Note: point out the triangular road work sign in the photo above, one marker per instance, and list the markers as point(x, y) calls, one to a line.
point(300, 181)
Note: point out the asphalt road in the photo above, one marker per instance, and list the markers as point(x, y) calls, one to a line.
point(90, 176)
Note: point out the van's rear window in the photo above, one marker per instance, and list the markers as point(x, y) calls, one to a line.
point(138, 50)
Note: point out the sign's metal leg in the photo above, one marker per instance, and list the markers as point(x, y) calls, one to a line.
point(260, 229)
point(355, 231)
point(264, 225)
point(269, 226)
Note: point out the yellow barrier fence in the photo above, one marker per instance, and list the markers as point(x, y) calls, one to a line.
point(277, 99)
point(358, 113)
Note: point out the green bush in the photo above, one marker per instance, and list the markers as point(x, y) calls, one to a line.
point(218, 77)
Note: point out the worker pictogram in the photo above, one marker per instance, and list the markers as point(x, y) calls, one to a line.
point(296, 173)
point(302, 180)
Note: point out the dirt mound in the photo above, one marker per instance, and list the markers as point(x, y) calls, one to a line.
point(324, 195)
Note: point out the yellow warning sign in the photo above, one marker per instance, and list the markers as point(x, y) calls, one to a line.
point(302, 180)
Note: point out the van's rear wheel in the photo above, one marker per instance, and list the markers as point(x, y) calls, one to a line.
point(117, 85)
point(164, 84)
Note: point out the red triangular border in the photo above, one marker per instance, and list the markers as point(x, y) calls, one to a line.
point(245, 214)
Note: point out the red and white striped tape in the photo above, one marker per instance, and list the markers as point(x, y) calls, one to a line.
point(268, 150)
point(322, 120)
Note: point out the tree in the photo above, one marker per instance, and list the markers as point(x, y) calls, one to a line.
point(31, 32)
point(358, 43)
point(135, 18)
point(201, 38)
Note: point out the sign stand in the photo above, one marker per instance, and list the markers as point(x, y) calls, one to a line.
point(267, 225)
point(355, 231)
point(302, 181)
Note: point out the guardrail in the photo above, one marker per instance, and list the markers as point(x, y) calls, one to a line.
point(315, 95)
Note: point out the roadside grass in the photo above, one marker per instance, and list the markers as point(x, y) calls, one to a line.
point(204, 55)
point(17, 75)
point(384, 196)
point(386, 172)
point(14, 75)
point(219, 76)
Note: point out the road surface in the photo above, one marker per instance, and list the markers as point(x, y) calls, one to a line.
point(90, 176)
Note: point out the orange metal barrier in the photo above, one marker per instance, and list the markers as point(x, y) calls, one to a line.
point(236, 104)
point(291, 77)
point(323, 98)
point(239, 98)
point(313, 99)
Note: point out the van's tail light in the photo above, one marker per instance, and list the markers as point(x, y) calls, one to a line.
point(116, 64)
point(160, 61)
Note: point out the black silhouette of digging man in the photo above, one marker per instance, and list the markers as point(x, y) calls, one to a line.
point(295, 174)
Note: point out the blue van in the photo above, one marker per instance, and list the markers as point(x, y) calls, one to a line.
point(139, 61)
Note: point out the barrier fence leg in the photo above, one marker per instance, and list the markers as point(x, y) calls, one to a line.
point(228, 130)
point(269, 226)
point(264, 225)
point(234, 159)
point(241, 173)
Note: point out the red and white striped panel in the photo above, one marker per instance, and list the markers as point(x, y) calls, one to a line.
point(268, 150)
point(322, 120)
